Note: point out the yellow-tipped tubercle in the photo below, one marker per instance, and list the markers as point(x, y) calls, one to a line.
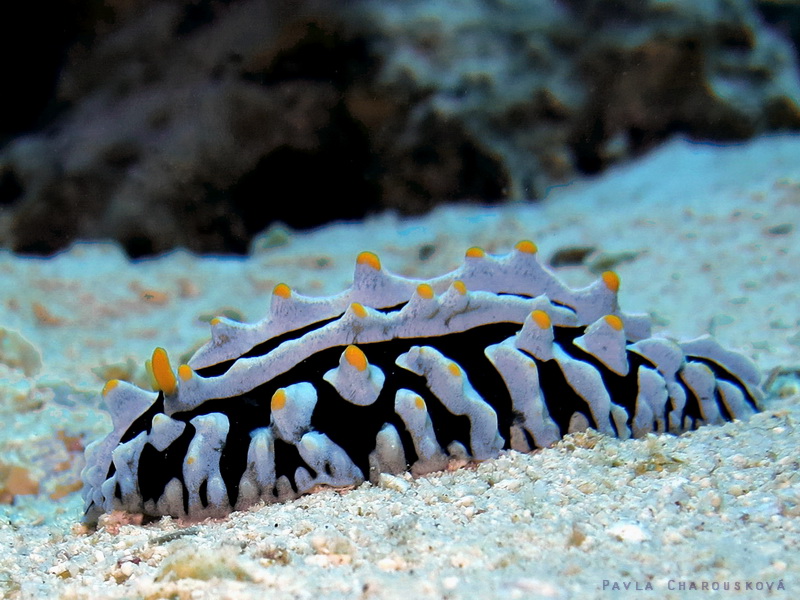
point(611, 279)
point(355, 357)
point(358, 310)
point(541, 318)
point(527, 247)
point(110, 385)
point(282, 290)
point(185, 372)
point(162, 372)
point(460, 286)
point(278, 399)
point(370, 259)
point(425, 291)
point(614, 321)
point(475, 252)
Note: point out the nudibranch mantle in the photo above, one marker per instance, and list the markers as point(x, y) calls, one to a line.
point(398, 374)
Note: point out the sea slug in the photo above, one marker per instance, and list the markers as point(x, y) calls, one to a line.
point(396, 374)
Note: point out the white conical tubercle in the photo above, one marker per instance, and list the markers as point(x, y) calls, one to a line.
point(605, 340)
point(355, 379)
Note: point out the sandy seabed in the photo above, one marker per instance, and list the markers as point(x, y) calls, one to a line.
point(704, 238)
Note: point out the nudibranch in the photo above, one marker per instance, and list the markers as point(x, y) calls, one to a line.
point(397, 374)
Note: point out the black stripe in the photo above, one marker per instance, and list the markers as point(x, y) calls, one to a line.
point(692, 408)
point(720, 372)
point(157, 469)
point(693, 401)
point(561, 400)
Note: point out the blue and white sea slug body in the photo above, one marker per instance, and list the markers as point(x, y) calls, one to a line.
point(396, 374)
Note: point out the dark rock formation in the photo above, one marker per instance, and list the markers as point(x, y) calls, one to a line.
point(197, 123)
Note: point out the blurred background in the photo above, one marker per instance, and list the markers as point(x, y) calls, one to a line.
point(198, 123)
